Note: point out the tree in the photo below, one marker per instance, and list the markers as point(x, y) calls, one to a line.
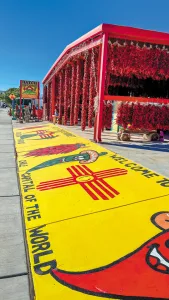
point(5, 95)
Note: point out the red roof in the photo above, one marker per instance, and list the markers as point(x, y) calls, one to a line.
point(121, 32)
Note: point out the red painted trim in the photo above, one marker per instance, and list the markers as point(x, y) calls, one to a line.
point(102, 77)
point(130, 33)
point(139, 39)
point(136, 99)
point(87, 47)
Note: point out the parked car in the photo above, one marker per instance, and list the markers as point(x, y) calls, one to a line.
point(4, 105)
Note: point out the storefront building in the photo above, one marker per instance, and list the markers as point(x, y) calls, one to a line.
point(108, 65)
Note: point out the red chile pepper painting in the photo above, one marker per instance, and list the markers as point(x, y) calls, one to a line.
point(142, 274)
point(54, 150)
point(33, 127)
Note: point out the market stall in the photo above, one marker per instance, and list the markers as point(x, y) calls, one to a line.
point(107, 65)
point(27, 110)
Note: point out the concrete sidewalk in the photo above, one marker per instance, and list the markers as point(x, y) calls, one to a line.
point(13, 269)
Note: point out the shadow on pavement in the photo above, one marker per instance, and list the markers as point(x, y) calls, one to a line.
point(160, 147)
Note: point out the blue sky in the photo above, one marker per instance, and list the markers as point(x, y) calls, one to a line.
point(33, 33)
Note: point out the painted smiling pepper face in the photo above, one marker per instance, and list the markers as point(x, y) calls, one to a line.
point(142, 274)
point(158, 255)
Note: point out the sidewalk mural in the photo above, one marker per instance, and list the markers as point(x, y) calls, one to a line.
point(33, 127)
point(41, 134)
point(97, 224)
point(59, 149)
point(134, 275)
point(35, 135)
point(84, 157)
point(92, 182)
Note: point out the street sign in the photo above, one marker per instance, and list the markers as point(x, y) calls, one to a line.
point(12, 96)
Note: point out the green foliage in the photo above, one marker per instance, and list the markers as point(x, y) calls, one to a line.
point(5, 96)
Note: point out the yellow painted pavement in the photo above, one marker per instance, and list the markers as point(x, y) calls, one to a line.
point(86, 208)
